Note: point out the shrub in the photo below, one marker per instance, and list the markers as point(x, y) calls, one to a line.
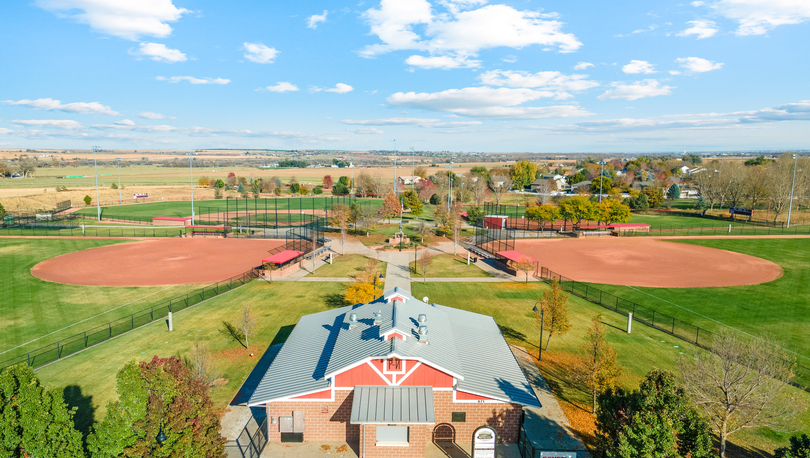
point(317, 190)
point(87, 200)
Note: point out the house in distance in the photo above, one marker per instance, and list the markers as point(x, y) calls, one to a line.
point(393, 375)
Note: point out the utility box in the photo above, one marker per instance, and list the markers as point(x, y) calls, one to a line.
point(298, 421)
point(285, 424)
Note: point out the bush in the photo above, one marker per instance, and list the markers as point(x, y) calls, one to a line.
point(294, 188)
point(303, 189)
point(113, 186)
point(317, 190)
point(87, 200)
point(434, 199)
point(340, 188)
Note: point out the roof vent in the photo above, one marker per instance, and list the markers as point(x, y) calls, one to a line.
point(421, 318)
point(423, 330)
point(352, 320)
point(377, 318)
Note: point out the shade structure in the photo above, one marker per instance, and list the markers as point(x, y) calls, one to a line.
point(172, 218)
point(516, 256)
point(281, 258)
point(400, 405)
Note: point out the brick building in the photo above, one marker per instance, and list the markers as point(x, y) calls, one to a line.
point(393, 375)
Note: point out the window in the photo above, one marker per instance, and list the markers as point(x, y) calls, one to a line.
point(459, 417)
point(392, 436)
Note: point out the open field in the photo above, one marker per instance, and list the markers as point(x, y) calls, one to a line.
point(34, 312)
point(511, 303)
point(780, 307)
point(447, 266)
point(346, 266)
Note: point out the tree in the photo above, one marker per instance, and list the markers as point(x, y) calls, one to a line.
point(500, 186)
point(655, 197)
point(522, 173)
point(799, 448)
point(256, 188)
point(700, 204)
point(361, 293)
point(303, 190)
point(247, 324)
point(391, 206)
point(421, 172)
point(544, 189)
point(341, 216)
point(340, 189)
point(2, 212)
point(158, 395)
point(424, 263)
point(26, 167)
point(35, 421)
point(475, 214)
point(426, 189)
point(607, 185)
point(542, 214)
point(674, 191)
point(317, 190)
point(477, 185)
point(525, 265)
point(371, 186)
point(780, 183)
point(367, 217)
point(554, 304)
point(613, 211)
point(217, 193)
point(577, 209)
point(201, 363)
point(578, 177)
point(412, 202)
point(596, 366)
point(327, 181)
point(740, 384)
point(693, 159)
point(231, 180)
point(294, 187)
point(423, 230)
point(87, 200)
point(656, 420)
point(481, 171)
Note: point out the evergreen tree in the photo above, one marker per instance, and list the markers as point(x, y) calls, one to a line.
point(674, 191)
point(799, 448)
point(2, 212)
point(34, 421)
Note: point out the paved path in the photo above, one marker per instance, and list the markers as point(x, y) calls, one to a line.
point(399, 272)
point(547, 427)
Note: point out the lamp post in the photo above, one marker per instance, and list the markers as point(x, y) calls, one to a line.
point(95, 167)
point(191, 182)
point(395, 167)
point(601, 179)
point(542, 321)
point(120, 195)
point(161, 437)
point(413, 170)
point(351, 185)
point(792, 186)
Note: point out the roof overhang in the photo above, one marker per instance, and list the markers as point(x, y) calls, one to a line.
point(400, 405)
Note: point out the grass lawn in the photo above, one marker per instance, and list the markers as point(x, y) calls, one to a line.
point(676, 222)
point(346, 266)
point(95, 231)
point(31, 308)
point(646, 348)
point(448, 266)
point(88, 378)
point(780, 308)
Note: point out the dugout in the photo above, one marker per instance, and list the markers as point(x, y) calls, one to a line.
point(514, 261)
point(282, 263)
point(207, 231)
point(171, 220)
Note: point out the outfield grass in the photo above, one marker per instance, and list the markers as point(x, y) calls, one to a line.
point(447, 266)
point(646, 348)
point(675, 222)
point(780, 308)
point(31, 308)
point(276, 306)
point(94, 231)
point(346, 266)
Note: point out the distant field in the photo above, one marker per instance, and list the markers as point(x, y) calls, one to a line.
point(31, 308)
point(780, 308)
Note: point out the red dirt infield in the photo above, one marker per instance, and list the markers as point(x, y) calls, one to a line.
point(648, 262)
point(170, 261)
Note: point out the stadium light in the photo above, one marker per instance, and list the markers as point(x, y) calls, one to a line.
point(95, 167)
point(601, 179)
point(395, 167)
point(792, 186)
point(120, 195)
point(191, 175)
point(413, 170)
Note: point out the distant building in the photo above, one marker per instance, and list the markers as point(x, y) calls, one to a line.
point(409, 180)
point(558, 180)
point(393, 375)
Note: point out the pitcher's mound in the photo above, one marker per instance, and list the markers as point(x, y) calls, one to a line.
point(170, 261)
point(648, 262)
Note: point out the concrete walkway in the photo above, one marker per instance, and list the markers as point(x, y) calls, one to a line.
point(398, 273)
point(548, 427)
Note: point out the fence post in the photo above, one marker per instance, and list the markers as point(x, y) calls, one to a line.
point(132, 321)
point(58, 350)
point(673, 326)
point(85, 339)
point(109, 325)
point(653, 319)
point(697, 336)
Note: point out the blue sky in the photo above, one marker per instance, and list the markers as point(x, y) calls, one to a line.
point(459, 75)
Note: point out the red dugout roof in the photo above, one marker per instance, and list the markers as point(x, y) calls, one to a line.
point(284, 256)
point(208, 227)
point(516, 256)
point(171, 218)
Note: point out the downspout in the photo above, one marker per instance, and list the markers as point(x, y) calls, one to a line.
point(363, 454)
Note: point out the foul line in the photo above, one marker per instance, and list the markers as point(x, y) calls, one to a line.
point(712, 319)
point(86, 319)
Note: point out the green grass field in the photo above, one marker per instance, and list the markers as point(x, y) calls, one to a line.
point(780, 308)
point(346, 266)
point(447, 266)
point(34, 313)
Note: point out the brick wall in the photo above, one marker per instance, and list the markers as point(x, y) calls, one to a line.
point(323, 421)
point(505, 418)
point(418, 437)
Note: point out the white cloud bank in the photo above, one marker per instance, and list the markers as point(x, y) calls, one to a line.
point(701, 28)
point(193, 80)
point(128, 19)
point(152, 115)
point(698, 65)
point(55, 123)
point(365, 130)
point(160, 53)
point(74, 107)
point(635, 91)
point(339, 88)
point(582, 65)
point(638, 66)
point(561, 83)
point(757, 17)
point(315, 19)
point(259, 53)
point(282, 86)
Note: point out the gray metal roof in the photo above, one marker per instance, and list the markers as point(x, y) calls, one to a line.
point(393, 404)
point(468, 346)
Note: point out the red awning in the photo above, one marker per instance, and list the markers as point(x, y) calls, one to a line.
point(516, 256)
point(171, 218)
point(630, 225)
point(284, 256)
point(596, 227)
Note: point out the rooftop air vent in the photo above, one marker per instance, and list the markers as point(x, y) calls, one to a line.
point(352, 320)
point(421, 318)
point(423, 330)
point(377, 318)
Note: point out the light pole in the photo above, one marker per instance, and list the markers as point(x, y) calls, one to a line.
point(413, 170)
point(450, 184)
point(191, 182)
point(95, 167)
point(395, 167)
point(120, 195)
point(542, 321)
point(601, 179)
point(351, 185)
point(792, 186)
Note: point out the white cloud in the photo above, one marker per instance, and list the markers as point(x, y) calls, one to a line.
point(193, 80)
point(757, 17)
point(125, 122)
point(259, 53)
point(461, 32)
point(582, 65)
point(639, 66)
point(75, 107)
point(160, 53)
point(282, 86)
point(127, 19)
point(5, 131)
point(635, 91)
point(674, 72)
point(366, 130)
point(391, 121)
point(698, 65)
point(340, 88)
point(703, 28)
point(510, 59)
point(56, 123)
point(637, 31)
point(697, 4)
point(151, 115)
point(443, 62)
point(553, 81)
point(134, 127)
point(315, 19)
